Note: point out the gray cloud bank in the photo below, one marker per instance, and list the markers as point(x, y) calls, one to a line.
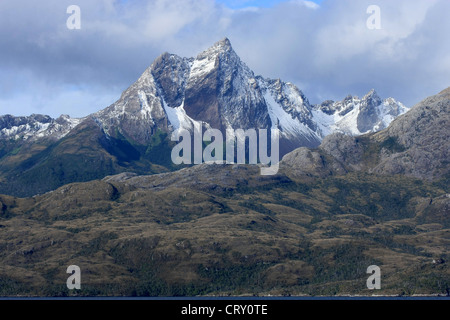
point(327, 51)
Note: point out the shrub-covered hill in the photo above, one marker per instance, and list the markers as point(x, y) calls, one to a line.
point(229, 232)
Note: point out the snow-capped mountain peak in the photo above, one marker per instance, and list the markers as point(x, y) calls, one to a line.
point(357, 116)
point(220, 48)
point(216, 89)
point(36, 126)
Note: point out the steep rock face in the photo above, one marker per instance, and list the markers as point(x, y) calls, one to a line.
point(138, 114)
point(290, 112)
point(368, 115)
point(424, 134)
point(223, 91)
point(171, 74)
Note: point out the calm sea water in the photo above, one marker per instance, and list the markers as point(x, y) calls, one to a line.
point(233, 298)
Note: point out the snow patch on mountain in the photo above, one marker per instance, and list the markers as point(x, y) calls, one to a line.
point(202, 66)
point(284, 121)
point(146, 110)
point(178, 118)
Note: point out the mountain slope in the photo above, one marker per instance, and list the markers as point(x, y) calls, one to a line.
point(85, 153)
point(424, 133)
point(415, 144)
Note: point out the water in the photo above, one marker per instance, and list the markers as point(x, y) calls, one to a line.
point(265, 298)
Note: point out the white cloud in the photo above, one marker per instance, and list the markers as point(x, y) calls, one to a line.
point(309, 4)
point(326, 50)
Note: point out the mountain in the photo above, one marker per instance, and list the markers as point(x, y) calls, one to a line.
point(218, 90)
point(355, 116)
point(213, 90)
point(416, 144)
point(36, 126)
point(218, 230)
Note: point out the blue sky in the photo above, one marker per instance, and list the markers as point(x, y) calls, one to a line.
point(327, 51)
point(239, 4)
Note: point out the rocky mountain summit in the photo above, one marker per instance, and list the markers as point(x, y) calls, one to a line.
point(218, 90)
point(215, 89)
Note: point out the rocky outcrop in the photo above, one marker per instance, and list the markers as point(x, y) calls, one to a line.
point(424, 134)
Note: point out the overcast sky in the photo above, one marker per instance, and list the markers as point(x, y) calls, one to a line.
point(324, 47)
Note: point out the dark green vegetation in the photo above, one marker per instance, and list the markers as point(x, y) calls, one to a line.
point(271, 235)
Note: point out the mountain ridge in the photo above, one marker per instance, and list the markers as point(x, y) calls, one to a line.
point(415, 144)
point(215, 89)
point(170, 77)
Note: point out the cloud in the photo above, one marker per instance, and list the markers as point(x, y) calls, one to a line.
point(329, 52)
point(326, 50)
